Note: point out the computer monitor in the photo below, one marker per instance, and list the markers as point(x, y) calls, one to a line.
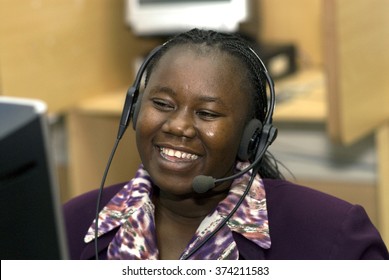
point(31, 222)
point(164, 17)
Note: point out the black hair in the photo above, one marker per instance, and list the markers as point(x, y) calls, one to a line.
point(239, 48)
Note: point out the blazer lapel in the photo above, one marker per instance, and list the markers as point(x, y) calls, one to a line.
point(248, 250)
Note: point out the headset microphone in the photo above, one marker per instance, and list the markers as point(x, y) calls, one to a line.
point(203, 183)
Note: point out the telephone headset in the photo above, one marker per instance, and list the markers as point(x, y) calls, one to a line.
point(256, 138)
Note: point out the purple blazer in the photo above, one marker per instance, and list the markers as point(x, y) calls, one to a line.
point(305, 224)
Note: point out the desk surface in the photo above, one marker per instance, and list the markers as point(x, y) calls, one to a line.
point(300, 98)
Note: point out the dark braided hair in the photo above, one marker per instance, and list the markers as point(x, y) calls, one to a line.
point(240, 49)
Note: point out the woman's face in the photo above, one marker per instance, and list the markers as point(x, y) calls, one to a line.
point(192, 115)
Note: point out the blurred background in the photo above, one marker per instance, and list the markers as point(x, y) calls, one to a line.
point(328, 58)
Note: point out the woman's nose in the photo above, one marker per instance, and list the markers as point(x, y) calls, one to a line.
point(180, 123)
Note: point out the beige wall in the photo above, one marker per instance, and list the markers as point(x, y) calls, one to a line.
point(65, 50)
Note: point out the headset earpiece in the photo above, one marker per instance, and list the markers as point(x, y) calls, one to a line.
point(131, 97)
point(131, 104)
point(250, 138)
point(136, 112)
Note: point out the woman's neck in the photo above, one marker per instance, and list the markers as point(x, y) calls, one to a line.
point(189, 208)
point(178, 218)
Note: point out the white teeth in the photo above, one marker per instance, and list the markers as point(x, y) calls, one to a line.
point(178, 154)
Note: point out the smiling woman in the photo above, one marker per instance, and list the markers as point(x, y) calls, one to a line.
point(204, 114)
point(188, 107)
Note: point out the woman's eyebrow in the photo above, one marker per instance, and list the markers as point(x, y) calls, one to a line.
point(212, 99)
point(164, 89)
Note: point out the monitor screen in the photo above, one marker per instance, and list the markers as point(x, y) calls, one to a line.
point(165, 17)
point(31, 222)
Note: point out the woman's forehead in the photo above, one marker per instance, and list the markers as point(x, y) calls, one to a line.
point(200, 52)
point(215, 63)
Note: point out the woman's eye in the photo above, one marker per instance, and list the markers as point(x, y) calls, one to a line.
point(207, 115)
point(162, 105)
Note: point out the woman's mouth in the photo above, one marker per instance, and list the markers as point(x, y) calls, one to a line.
point(171, 154)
